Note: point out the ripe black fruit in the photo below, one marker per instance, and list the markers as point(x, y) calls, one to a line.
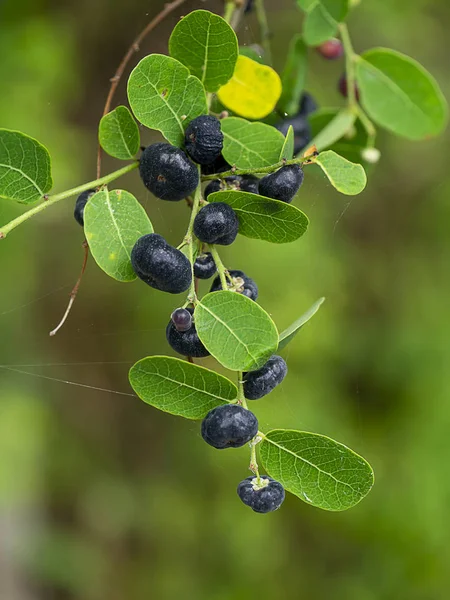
point(242, 183)
point(204, 266)
point(218, 166)
point(80, 204)
point(204, 139)
point(308, 105)
point(216, 223)
point(229, 426)
point(264, 497)
point(261, 382)
point(167, 172)
point(160, 265)
point(187, 342)
point(241, 284)
point(302, 131)
point(283, 184)
point(181, 319)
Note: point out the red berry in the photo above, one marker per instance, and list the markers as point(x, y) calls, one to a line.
point(331, 49)
point(342, 86)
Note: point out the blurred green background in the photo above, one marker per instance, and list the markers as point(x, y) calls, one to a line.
point(103, 497)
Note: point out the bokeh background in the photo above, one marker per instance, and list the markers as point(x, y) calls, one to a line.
point(103, 497)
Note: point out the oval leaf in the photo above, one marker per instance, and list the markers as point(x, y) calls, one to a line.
point(263, 218)
point(400, 95)
point(113, 222)
point(287, 151)
point(207, 45)
point(347, 177)
point(180, 388)
point(25, 167)
point(250, 145)
point(289, 334)
point(118, 134)
point(253, 91)
point(337, 127)
point(293, 76)
point(236, 330)
point(317, 469)
point(164, 96)
point(322, 19)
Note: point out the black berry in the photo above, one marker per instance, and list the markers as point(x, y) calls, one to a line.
point(181, 319)
point(263, 497)
point(160, 265)
point(242, 183)
point(229, 426)
point(216, 223)
point(204, 139)
point(261, 382)
point(168, 172)
point(204, 266)
point(187, 342)
point(308, 105)
point(218, 166)
point(240, 283)
point(283, 184)
point(80, 204)
point(302, 131)
point(331, 49)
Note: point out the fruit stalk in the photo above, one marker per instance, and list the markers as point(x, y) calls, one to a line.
point(303, 160)
point(220, 266)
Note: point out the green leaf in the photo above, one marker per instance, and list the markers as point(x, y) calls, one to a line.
point(263, 218)
point(164, 96)
point(113, 222)
point(235, 330)
point(351, 145)
point(207, 45)
point(287, 151)
point(317, 469)
point(25, 167)
point(254, 52)
point(118, 134)
point(250, 145)
point(289, 334)
point(293, 76)
point(180, 388)
point(400, 95)
point(347, 177)
point(334, 130)
point(322, 19)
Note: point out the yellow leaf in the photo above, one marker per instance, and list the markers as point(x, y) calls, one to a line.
point(253, 91)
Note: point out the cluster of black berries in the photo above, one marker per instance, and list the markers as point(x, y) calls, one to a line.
point(233, 426)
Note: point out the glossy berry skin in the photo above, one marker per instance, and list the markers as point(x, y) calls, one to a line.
point(216, 223)
point(342, 87)
point(302, 131)
point(187, 342)
point(242, 183)
point(160, 265)
point(247, 286)
point(181, 319)
point(204, 139)
point(168, 172)
point(258, 384)
point(229, 426)
point(80, 204)
point(331, 49)
point(218, 166)
point(204, 266)
point(261, 499)
point(283, 184)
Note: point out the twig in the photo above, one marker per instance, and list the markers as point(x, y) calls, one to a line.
point(169, 8)
point(74, 292)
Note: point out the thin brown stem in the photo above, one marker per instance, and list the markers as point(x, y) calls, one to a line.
point(167, 10)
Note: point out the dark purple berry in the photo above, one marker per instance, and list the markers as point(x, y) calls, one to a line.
point(229, 426)
point(331, 49)
point(168, 172)
point(308, 105)
point(264, 496)
point(204, 139)
point(204, 266)
point(160, 265)
point(261, 382)
point(216, 223)
point(187, 342)
point(182, 319)
point(302, 131)
point(240, 283)
point(283, 184)
point(241, 183)
point(80, 204)
point(220, 165)
point(342, 86)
